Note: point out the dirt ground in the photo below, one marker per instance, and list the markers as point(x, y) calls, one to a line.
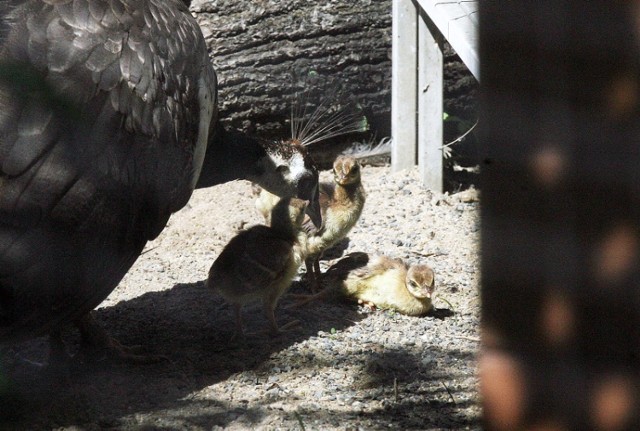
point(343, 368)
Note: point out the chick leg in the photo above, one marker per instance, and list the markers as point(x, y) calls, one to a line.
point(96, 339)
point(303, 299)
point(273, 325)
point(308, 263)
point(313, 272)
point(316, 274)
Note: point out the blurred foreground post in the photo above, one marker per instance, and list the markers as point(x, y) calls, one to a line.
point(560, 125)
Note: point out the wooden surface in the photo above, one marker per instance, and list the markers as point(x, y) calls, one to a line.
point(264, 52)
point(404, 99)
point(430, 104)
point(419, 30)
point(457, 21)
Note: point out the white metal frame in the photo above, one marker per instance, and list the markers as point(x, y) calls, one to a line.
point(417, 78)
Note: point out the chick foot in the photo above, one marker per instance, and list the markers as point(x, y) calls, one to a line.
point(368, 305)
point(274, 329)
point(312, 274)
point(97, 342)
point(285, 328)
point(301, 299)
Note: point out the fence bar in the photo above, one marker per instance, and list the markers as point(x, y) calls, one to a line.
point(404, 128)
point(430, 103)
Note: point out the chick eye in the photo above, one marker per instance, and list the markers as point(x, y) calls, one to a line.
point(282, 169)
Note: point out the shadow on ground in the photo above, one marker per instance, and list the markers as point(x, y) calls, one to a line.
point(187, 324)
point(193, 329)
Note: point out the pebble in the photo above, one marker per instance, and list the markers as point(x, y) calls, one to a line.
point(342, 353)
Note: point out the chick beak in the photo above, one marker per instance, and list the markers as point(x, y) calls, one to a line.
point(428, 292)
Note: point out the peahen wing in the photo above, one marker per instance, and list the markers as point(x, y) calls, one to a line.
point(104, 110)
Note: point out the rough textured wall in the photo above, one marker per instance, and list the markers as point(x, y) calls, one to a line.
point(264, 51)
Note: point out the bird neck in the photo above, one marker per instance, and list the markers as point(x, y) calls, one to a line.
point(410, 304)
point(349, 192)
point(284, 227)
point(230, 156)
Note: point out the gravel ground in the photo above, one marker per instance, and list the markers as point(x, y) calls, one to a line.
point(344, 368)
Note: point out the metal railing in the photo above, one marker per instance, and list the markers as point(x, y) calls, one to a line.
point(419, 28)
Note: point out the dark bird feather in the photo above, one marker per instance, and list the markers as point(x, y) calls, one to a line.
point(108, 120)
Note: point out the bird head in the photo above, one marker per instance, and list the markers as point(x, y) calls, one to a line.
point(288, 214)
point(420, 281)
point(346, 170)
point(329, 119)
point(287, 170)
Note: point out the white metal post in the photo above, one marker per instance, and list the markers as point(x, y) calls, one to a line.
point(430, 103)
point(404, 85)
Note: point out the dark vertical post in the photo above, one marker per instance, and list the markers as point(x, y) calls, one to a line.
point(560, 118)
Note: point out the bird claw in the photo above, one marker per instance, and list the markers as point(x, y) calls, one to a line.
point(287, 326)
point(128, 354)
point(237, 337)
point(98, 343)
point(300, 299)
point(368, 305)
point(275, 331)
